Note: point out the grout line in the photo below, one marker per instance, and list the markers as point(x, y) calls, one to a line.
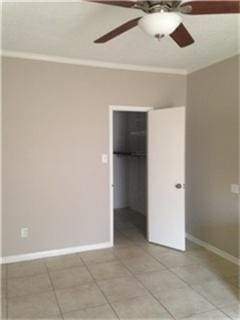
point(168, 269)
point(84, 309)
point(84, 264)
point(149, 292)
point(54, 292)
point(101, 290)
point(235, 304)
point(72, 287)
point(202, 295)
point(191, 287)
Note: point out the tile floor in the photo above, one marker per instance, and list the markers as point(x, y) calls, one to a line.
point(132, 280)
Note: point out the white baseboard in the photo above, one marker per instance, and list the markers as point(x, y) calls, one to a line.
point(213, 249)
point(53, 253)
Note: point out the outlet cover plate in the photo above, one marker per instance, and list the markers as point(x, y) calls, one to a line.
point(235, 188)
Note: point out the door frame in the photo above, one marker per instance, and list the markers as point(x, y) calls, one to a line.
point(113, 108)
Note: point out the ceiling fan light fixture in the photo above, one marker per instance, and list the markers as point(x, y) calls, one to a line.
point(160, 24)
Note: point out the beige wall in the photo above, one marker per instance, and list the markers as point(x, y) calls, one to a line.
point(212, 155)
point(55, 127)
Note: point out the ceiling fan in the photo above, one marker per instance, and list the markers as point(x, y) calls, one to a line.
point(162, 18)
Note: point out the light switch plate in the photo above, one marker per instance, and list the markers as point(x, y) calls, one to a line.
point(235, 188)
point(104, 158)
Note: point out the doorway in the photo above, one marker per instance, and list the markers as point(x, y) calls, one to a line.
point(147, 173)
point(130, 172)
point(128, 168)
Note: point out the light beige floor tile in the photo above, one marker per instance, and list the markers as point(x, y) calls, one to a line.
point(81, 297)
point(26, 269)
point(145, 307)
point(195, 273)
point(176, 259)
point(218, 292)
point(184, 302)
point(143, 263)
point(122, 288)
point(224, 267)
point(129, 252)
point(121, 241)
point(210, 315)
point(160, 280)
point(98, 256)
point(203, 256)
point(101, 313)
point(136, 237)
point(70, 277)
point(130, 229)
point(155, 250)
point(140, 242)
point(233, 311)
point(108, 270)
point(124, 222)
point(125, 227)
point(43, 305)
point(28, 285)
point(63, 262)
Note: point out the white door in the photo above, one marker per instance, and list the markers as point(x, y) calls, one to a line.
point(166, 177)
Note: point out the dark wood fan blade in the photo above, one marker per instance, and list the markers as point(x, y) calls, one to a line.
point(125, 4)
point(182, 37)
point(119, 30)
point(213, 7)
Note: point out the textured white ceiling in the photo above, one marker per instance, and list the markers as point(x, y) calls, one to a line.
point(68, 30)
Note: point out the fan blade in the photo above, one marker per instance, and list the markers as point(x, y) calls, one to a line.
point(212, 7)
point(119, 30)
point(182, 37)
point(125, 4)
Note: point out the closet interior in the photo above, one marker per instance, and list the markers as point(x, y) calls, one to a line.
point(130, 171)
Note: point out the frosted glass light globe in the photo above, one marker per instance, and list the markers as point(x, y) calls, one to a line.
point(160, 23)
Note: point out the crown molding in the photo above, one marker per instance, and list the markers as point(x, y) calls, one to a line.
point(90, 63)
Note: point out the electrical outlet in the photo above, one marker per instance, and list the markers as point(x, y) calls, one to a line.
point(235, 188)
point(24, 232)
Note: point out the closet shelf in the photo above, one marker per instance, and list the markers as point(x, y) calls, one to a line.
point(138, 133)
point(130, 154)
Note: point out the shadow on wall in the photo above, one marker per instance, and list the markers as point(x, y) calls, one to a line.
point(220, 232)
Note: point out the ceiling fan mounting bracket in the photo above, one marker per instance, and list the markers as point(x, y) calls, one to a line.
point(148, 7)
point(162, 6)
point(159, 8)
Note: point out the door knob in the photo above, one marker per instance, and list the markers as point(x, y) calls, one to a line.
point(178, 186)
